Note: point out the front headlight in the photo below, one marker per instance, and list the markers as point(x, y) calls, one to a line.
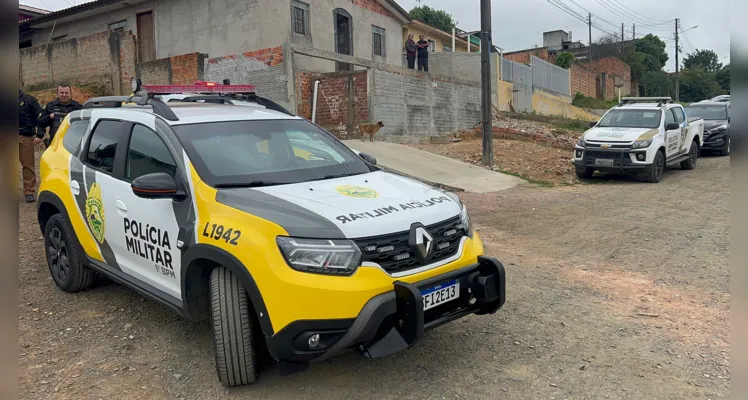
point(718, 129)
point(580, 142)
point(641, 144)
point(329, 257)
point(466, 223)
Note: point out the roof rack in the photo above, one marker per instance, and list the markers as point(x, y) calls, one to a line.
point(659, 100)
point(206, 91)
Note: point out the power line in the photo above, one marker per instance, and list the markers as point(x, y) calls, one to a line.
point(596, 16)
point(568, 10)
point(623, 14)
point(655, 21)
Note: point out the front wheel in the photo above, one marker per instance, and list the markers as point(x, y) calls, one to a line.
point(585, 173)
point(726, 150)
point(63, 259)
point(693, 155)
point(233, 328)
point(658, 168)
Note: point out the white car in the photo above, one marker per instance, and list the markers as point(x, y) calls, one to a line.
point(641, 136)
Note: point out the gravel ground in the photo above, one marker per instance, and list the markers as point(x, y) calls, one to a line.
point(615, 291)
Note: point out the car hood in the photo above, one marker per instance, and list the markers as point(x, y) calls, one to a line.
point(366, 205)
point(711, 124)
point(614, 134)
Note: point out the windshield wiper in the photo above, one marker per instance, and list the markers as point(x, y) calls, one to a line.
point(246, 184)
point(334, 176)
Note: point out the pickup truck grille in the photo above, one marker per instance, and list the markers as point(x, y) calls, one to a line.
point(394, 255)
point(619, 157)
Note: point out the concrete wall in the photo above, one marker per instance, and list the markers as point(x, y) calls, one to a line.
point(106, 58)
point(265, 68)
point(504, 98)
point(416, 106)
point(553, 105)
point(364, 14)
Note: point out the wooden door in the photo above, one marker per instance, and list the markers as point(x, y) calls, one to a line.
point(146, 37)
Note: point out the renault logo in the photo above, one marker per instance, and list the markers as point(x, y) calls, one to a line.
point(421, 242)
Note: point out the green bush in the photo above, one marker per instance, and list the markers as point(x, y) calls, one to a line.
point(583, 101)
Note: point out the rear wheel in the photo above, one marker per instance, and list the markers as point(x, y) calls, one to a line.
point(62, 256)
point(693, 155)
point(658, 168)
point(233, 339)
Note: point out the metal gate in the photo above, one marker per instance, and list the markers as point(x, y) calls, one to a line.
point(522, 87)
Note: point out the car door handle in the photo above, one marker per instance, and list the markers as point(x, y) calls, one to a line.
point(121, 207)
point(76, 187)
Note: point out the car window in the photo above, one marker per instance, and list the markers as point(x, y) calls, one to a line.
point(73, 136)
point(631, 119)
point(679, 116)
point(710, 112)
point(669, 117)
point(103, 145)
point(147, 154)
point(277, 151)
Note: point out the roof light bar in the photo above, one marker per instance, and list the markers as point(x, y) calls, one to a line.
point(202, 88)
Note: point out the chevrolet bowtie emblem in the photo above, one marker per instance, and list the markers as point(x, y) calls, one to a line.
point(605, 146)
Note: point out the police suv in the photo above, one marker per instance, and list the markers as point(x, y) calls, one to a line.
point(261, 222)
point(640, 136)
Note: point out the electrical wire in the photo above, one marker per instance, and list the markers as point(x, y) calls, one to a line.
point(654, 21)
point(611, 7)
point(568, 10)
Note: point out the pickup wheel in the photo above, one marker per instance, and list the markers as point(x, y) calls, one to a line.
point(658, 168)
point(585, 173)
point(62, 256)
point(233, 328)
point(726, 150)
point(693, 155)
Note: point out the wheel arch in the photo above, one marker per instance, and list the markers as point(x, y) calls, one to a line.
point(47, 205)
point(198, 262)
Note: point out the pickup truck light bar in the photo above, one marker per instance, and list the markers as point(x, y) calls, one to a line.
point(208, 87)
point(659, 100)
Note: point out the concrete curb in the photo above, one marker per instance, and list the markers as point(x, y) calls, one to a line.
point(434, 184)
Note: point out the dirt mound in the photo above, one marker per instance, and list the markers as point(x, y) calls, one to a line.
point(80, 94)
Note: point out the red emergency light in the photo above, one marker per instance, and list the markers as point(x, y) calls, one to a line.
point(204, 83)
point(201, 88)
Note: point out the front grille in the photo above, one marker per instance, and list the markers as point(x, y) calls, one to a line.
point(617, 157)
point(394, 255)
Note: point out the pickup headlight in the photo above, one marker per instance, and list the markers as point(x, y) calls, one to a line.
point(329, 257)
point(580, 142)
point(641, 144)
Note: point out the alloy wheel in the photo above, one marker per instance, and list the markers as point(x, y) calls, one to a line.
point(58, 255)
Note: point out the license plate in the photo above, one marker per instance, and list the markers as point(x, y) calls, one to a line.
point(604, 161)
point(441, 294)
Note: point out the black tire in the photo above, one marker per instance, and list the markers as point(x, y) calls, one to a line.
point(233, 339)
point(585, 173)
point(693, 156)
point(726, 150)
point(658, 168)
point(61, 248)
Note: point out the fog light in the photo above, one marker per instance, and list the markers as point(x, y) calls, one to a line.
point(641, 156)
point(579, 153)
point(313, 340)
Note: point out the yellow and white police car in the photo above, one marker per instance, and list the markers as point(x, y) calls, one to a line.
point(262, 223)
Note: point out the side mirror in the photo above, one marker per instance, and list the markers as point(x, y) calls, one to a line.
point(157, 185)
point(672, 126)
point(368, 158)
point(592, 124)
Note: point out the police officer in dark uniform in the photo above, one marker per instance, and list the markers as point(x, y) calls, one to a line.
point(56, 110)
point(28, 137)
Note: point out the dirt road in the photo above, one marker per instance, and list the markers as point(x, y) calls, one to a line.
point(618, 290)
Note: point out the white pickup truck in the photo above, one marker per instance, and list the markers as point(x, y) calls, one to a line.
point(640, 136)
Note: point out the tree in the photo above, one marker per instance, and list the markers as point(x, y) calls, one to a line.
point(653, 52)
point(657, 83)
point(607, 46)
point(697, 84)
point(565, 59)
point(706, 60)
point(431, 16)
point(723, 78)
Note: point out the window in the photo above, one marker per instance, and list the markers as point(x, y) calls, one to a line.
point(300, 18)
point(147, 154)
point(378, 42)
point(679, 117)
point(669, 117)
point(622, 118)
point(103, 145)
point(275, 151)
point(432, 46)
point(73, 136)
point(119, 26)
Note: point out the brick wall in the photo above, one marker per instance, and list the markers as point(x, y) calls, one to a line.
point(304, 91)
point(583, 81)
point(333, 100)
point(373, 5)
point(105, 58)
point(183, 69)
point(524, 56)
point(611, 66)
point(264, 68)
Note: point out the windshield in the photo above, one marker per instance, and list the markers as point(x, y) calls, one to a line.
point(631, 119)
point(266, 152)
point(707, 112)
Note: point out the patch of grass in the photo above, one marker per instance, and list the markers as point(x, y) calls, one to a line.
point(564, 123)
point(583, 101)
point(576, 126)
point(528, 179)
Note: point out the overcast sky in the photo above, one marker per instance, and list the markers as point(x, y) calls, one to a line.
point(519, 24)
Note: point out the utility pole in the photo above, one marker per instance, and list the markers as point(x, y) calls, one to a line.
point(589, 21)
point(621, 38)
point(485, 57)
point(677, 68)
point(633, 36)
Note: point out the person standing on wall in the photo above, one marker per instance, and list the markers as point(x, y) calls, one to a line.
point(410, 51)
point(56, 110)
point(28, 138)
point(423, 54)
